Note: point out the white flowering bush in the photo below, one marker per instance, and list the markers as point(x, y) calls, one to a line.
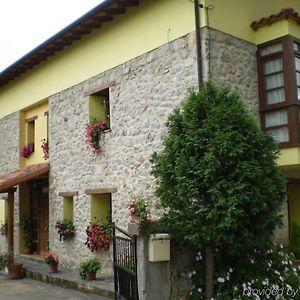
point(258, 274)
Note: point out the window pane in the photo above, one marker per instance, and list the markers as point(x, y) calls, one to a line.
point(295, 46)
point(272, 66)
point(274, 81)
point(275, 96)
point(298, 78)
point(271, 49)
point(280, 134)
point(297, 63)
point(298, 93)
point(276, 118)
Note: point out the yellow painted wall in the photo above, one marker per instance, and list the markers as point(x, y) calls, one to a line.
point(235, 16)
point(100, 207)
point(3, 211)
point(97, 108)
point(24, 206)
point(68, 208)
point(40, 133)
point(278, 29)
point(294, 202)
point(289, 157)
point(141, 29)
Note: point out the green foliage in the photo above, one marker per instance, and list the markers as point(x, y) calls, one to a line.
point(65, 229)
point(139, 208)
point(26, 225)
point(217, 174)
point(6, 260)
point(294, 245)
point(89, 265)
point(258, 272)
point(218, 179)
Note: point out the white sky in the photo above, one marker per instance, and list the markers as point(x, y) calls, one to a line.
point(25, 24)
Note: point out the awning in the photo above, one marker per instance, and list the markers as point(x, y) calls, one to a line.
point(11, 179)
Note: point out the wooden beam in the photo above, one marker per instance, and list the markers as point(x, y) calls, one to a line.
point(128, 2)
point(100, 191)
point(98, 88)
point(29, 120)
point(68, 194)
point(10, 234)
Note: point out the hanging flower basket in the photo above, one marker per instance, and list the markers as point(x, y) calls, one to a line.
point(98, 236)
point(93, 134)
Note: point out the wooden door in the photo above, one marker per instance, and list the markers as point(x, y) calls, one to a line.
point(43, 220)
point(39, 211)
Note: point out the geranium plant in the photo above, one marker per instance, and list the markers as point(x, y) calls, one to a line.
point(65, 229)
point(4, 228)
point(140, 213)
point(51, 258)
point(45, 148)
point(93, 134)
point(27, 150)
point(98, 236)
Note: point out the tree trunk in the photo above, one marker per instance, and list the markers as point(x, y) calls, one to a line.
point(209, 274)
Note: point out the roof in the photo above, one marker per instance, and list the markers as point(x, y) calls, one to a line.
point(102, 13)
point(286, 13)
point(8, 180)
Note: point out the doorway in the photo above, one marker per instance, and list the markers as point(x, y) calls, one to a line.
point(39, 212)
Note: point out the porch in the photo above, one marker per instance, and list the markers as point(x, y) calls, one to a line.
point(36, 269)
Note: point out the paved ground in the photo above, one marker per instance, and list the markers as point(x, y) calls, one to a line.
point(28, 289)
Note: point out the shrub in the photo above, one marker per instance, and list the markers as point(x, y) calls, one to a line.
point(265, 273)
point(294, 245)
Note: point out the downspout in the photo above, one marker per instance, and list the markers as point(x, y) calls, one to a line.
point(198, 42)
point(209, 264)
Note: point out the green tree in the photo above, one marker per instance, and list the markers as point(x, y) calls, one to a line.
point(217, 175)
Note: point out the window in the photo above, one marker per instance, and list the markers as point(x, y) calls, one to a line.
point(99, 106)
point(101, 199)
point(279, 80)
point(30, 130)
point(68, 208)
point(68, 204)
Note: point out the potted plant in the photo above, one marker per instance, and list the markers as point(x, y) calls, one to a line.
point(4, 228)
point(15, 269)
point(26, 225)
point(89, 268)
point(52, 260)
point(65, 229)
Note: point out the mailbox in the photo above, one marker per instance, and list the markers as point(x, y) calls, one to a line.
point(159, 247)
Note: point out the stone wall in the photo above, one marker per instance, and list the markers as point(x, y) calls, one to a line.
point(231, 61)
point(9, 146)
point(9, 161)
point(145, 92)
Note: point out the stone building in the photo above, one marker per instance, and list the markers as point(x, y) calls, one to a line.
point(130, 63)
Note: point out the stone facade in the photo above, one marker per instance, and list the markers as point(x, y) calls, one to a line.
point(231, 61)
point(9, 146)
point(9, 161)
point(145, 91)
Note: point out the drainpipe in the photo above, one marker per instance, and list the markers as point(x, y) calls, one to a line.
point(198, 42)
